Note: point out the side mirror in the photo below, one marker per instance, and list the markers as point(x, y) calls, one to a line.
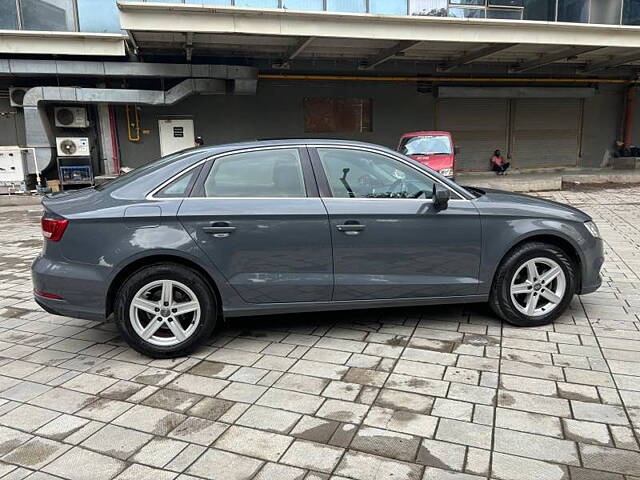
point(440, 197)
point(456, 150)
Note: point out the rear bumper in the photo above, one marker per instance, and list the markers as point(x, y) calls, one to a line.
point(83, 288)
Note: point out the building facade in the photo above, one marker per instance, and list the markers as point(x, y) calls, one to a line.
point(550, 82)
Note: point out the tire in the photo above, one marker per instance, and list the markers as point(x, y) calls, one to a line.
point(514, 275)
point(147, 310)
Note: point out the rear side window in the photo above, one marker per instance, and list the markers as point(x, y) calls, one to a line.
point(181, 186)
point(263, 173)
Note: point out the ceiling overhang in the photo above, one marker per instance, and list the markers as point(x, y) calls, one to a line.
point(371, 40)
point(26, 42)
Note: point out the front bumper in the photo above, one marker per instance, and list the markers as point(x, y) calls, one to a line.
point(593, 259)
point(83, 288)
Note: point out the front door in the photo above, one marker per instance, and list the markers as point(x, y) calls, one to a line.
point(175, 135)
point(258, 217)
point(388, 239)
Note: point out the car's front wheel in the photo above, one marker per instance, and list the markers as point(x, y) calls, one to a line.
point(533, 285)
point(165, 310)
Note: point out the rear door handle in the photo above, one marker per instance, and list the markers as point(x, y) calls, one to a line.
point(219, 229)
point(351, 228)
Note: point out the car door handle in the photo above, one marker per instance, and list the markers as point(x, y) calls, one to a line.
point(351, 228)
point(219, 229)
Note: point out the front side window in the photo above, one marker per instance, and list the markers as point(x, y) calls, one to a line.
point(262, 173)
point(362, 174)
point(426, 145)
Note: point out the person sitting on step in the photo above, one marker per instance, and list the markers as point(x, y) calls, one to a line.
point(498, 163)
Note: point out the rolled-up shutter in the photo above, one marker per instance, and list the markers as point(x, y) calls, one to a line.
point(478, 126)
point(546, 132)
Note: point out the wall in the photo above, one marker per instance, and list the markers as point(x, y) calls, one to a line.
point(602, 115)
point(276, 112)
point(11, 124)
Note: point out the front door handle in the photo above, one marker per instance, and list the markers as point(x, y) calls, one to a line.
point(351, 228)
point(219, 229)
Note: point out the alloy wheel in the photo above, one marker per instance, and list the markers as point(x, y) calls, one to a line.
point(165, 312)
point(538, 287)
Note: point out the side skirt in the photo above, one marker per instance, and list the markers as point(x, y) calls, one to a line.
point(276, 308)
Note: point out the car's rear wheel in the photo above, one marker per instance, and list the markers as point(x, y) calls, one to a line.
point(533, 285)
point(165, 310)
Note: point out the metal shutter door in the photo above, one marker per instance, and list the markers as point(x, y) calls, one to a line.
point(478, 126)
point(546, 132)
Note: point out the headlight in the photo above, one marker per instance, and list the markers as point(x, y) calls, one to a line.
point(593, 229)
point(447, 172)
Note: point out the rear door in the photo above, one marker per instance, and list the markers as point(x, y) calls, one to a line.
point(258, 217)
point(389, 242)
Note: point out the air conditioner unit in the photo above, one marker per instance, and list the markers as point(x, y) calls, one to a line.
point(507, 3)
point(73, 146)
point(16, 96)
point(71, 117)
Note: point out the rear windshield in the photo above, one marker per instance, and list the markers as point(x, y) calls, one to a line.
point(426, 145)
point(138, 172)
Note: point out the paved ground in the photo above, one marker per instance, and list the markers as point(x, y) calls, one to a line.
point(433, 393)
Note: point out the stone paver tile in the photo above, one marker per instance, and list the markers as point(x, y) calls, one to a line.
point(242, 392)
point(452, 409)
point(364, 466)
point(626, 462)
point(10, 439)
point(432, 473)
point(319, 369)
point(314, 429)
point(61, 427)
point(313, 456)
point(198, 430)
point(63, 400)
point(89, 383)
point(413, 384)
point(342, 411)
point(536, 446)
point(36, 453)
point(587, 432)
point(211, 408)
point(529, 422)
point(197, 384)
point(149, 419)
point(272, 471)
point(172, 400)
point(104, 410)
point(81, 464)
point(509, 467)
point(28, 418)
point(217, 464)
point(402, 421)
point(159, 452)
point(143, 472)
point(397, 400)
point(185, 458)
point(265, 418)
point(441, 454)
point(289, 400)
point(301, 383)
point(254, 443)
point(386, 443)
point(596, 412)
point(464, 432)
point(117, 441)
point(557, 407)
point(213, 369)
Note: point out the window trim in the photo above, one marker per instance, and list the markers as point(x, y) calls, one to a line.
point(323, 182)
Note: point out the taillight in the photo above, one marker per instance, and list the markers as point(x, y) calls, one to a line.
point(51, 296)
point(52, 228)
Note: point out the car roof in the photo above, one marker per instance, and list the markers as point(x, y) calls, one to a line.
point(284, 142)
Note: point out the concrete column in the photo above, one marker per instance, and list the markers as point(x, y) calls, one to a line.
point(105, 137)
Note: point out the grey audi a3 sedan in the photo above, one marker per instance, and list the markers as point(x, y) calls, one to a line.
point(172, 248)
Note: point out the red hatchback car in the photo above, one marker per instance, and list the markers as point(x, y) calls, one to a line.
point(435, 149)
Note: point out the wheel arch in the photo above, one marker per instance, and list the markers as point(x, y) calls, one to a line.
point(554, 239)
point(140, 263)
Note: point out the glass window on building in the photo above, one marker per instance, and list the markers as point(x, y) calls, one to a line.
point(505, 13)
point(573, 11)
point(8, 15)
point(606, 11)
point(631, 12)
point(542, 10)
point(428, 8)
point(98, 16)
point(388, 7)
point(48, 15)
point(347, 5)
point(303, 4)
point(467, 12)
point(257, 3)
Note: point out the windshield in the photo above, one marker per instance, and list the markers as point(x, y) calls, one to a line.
point(426, 145)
